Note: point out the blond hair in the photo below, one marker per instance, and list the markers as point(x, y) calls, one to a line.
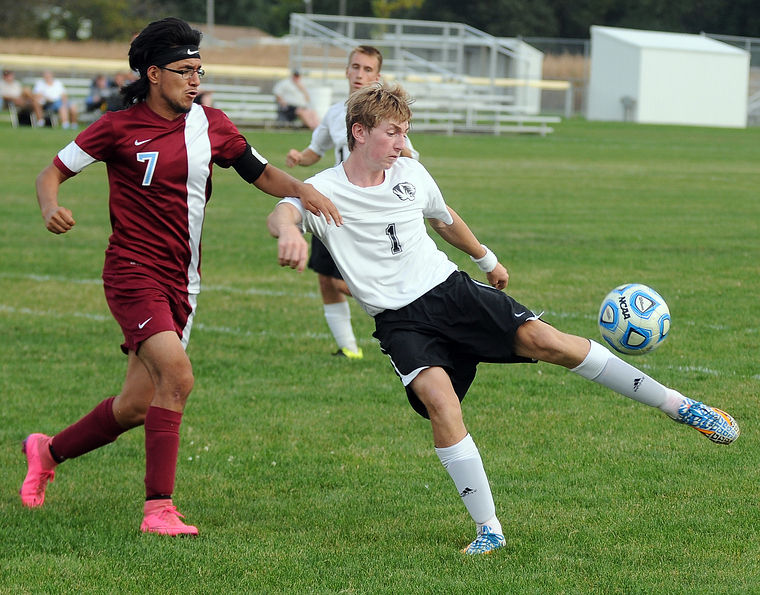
point(375, 103)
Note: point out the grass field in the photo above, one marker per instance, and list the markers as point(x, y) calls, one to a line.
point(305, 473)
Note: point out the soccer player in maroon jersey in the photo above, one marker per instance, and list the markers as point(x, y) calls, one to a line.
point(159, 154)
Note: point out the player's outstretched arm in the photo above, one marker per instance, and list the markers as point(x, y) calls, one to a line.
point(305, 158)
point(292, 248)
point(58, 219)
point(276, 182)
point(459, 235)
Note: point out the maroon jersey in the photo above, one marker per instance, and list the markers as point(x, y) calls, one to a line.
point(159, 176)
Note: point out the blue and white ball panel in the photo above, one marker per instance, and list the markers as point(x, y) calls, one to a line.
point(634, 319)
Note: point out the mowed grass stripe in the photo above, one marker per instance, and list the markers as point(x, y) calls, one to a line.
point(306, 473)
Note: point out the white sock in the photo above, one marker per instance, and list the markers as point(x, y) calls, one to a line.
point(492, 523)
point(604, 367)
point(338, 318)
point(465, 467)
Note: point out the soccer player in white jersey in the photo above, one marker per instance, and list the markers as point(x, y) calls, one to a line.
point(159, 154)
point(364, 64)
point(433, 321)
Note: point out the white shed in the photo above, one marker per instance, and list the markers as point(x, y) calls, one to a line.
point(666, 78)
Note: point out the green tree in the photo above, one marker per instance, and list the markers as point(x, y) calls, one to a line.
point(271, 17)
point(19, 20)
point(504, 18)
point(385, 9)
point(112, 20)
point(558, 18)
point(118, 19)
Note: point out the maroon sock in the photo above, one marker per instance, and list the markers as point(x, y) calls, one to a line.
point(161, 450)
point(98, 428)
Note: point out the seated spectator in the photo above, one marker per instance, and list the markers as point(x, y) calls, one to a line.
point(100, 91)
point(50, 96)
point(116, 100)
point(293, 101)
point(13, 92)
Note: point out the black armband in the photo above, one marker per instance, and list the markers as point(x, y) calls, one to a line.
point(249, 165)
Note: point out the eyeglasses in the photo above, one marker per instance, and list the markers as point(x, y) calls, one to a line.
point(187, 73)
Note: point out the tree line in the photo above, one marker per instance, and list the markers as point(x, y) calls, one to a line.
point(119, 19)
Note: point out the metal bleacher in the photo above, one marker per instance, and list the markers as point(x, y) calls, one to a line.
point(462, 79)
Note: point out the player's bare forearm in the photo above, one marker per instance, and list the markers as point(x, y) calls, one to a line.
point(305, 158)
point(292, 248)
point(278, 183)
point(458, 234)
point(309, 157)
point(283, 216)
point(57, 219)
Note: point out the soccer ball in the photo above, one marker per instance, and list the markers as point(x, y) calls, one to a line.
point(634, 319)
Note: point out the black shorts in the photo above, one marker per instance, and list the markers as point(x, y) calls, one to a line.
point(455, 325)
point(320, 260)
point(287, 113)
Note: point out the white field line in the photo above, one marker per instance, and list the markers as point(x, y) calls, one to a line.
point(247, 333)
point(196, 326)
point(205, 288)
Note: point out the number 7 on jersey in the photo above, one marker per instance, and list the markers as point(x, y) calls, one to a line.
point(151, 157)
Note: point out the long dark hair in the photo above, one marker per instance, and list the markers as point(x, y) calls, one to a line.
point(155, 38)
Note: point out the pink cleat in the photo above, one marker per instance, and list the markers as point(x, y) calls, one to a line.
point(162, 518)
point(39, 472)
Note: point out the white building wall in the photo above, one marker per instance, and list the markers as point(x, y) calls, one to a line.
point(673, 78)
point(698, 89)
point(615, 72)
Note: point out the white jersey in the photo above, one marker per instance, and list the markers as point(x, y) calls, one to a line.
point(383, 249)
point(50, 92)
point(288, 91)
point(331, 133)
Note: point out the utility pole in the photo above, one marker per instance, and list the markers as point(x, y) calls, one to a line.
point(210, 17)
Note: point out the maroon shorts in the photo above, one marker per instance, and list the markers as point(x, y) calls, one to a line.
point(143, 307)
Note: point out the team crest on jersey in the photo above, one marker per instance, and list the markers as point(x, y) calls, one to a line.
point(404, 191)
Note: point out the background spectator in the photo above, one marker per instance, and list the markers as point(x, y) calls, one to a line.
point(50, 96)
point(293, 101)
point(13, 92)
point(116, 100)
point(100, 92)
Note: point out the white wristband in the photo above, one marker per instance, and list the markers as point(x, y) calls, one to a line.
point(486, 263)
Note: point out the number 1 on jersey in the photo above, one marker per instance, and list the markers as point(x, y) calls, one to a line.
point(390, 231)
point(150, 157)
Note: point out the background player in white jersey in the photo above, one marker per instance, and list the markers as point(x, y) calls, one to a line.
point(364, 65)
point(159, 154)
point(433, 321)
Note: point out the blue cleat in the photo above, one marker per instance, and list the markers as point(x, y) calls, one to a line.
point(486, 542)
point(717, 425)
